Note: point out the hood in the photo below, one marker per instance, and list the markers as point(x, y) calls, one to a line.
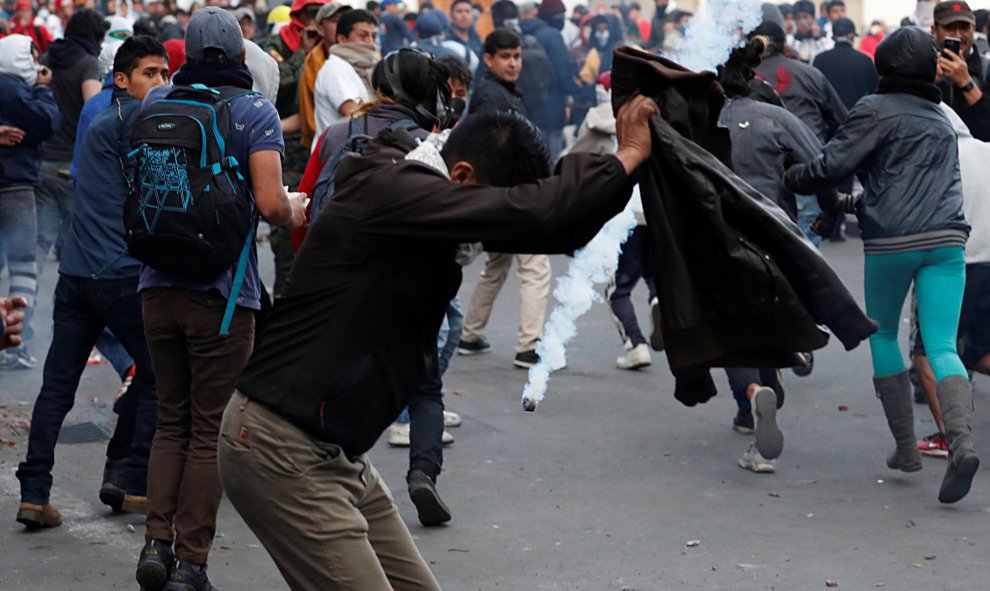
point(908, 53)
point(16, 60)
point(531, 26)
point(616, 31)
point(962, 132)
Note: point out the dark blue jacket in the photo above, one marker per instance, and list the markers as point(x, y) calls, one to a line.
point(552, 115)
point(394, 33)
point(474, 43)
point(35, 111)
point(94, 244)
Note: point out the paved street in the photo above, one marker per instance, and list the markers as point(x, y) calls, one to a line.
point(601, 489)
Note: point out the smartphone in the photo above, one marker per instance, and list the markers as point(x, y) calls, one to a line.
point(953, 44)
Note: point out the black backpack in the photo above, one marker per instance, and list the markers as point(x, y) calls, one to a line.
point(355, 144)
point(189, 212)
point(536, 78)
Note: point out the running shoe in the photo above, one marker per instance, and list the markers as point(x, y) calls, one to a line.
point(637, 357)
point(476, 347)
point(934, 445)
point(743, 422)
point(804, 370)
point(451, 419)
point(526, 359)
point(769, 439)
point(754, 462)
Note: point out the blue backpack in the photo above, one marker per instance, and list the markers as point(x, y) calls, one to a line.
point(190, 212)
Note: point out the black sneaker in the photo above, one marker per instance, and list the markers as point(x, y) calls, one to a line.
point(423, 492)
point(804, 370)
point(743, 422)
point(526, 359)
point(186, 578)
point(112, 492)
point(154, 565)
point(473, 347)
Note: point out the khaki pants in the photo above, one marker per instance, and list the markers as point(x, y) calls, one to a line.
point(327, 519)
point(534, 290)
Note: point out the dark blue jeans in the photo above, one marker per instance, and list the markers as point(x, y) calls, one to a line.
point(635, 263)
point(83, 308)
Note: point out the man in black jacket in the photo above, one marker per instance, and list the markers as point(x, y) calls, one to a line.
point(496, 92)
point(357, 331)
point(850, 71)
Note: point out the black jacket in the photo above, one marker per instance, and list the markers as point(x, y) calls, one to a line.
point(738, 283)
point(850, 71)
point(903, 148)
point(356, 331)
point(494, 95)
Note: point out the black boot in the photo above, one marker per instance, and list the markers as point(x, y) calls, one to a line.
point(154, 565)
point(112, 491)
point(429, 505)
point(185, 577)
point(894, 392)
point(955, 395)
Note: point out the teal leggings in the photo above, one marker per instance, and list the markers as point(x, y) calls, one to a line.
point(939, 277)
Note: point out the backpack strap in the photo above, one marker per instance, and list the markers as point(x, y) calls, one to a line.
point(235, 288)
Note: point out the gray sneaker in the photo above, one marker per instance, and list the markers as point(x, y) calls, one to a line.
point(769, 439)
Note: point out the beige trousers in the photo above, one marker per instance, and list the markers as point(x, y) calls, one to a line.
point(534, 275)
point(327, 519)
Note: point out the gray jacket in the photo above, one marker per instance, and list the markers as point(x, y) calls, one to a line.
point(904, 150)
point(766, 141)
point(806, 93)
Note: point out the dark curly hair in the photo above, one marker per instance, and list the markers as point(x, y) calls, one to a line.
point(736, 73)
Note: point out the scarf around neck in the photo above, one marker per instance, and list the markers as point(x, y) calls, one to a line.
point(214, 75)
point(361, 56)
point(913, 86)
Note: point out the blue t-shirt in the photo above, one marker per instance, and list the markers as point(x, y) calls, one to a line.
point(94, 245)
point(255, 127)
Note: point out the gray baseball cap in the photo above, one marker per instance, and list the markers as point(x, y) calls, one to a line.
point(213, 27)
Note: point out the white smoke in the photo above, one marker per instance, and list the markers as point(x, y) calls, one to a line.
point(715, 30)
point(575, 293)
point(710, 36)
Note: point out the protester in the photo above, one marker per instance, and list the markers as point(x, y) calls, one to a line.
point(920, 176)
point(607, 34)
point(76, 76)
point(344, 81)
point(29, 116)
point(963, 73)
point(394, 33)
point(429, 32)
point(973, 337)
point(23, 24)
point(497, 92)
point(460, 82)
point(850, 72)
point(326, 22)
point(463, 33)
point(354, 536)
point(547, 109)
point(873, 38)
point(808, 40)
point(97, 289)
point(195, 365)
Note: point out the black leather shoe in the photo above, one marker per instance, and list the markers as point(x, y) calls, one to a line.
point(186, 578)
point(429, 505)
point(154, 565)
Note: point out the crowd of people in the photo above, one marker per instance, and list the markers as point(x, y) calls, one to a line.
point(386, 149)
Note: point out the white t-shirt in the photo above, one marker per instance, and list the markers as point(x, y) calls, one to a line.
point(336, 84)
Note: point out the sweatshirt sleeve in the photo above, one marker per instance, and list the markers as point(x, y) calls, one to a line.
point(555, 215)
point(38, 114)
point(841, 157)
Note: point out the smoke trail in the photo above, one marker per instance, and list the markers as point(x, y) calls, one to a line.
point(710, 37)
point(715, 30)
point(575, 293)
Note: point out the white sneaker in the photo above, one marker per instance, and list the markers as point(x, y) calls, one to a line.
point(639, 356)
point(752, 460)
point(451, 419)
point(398, 435)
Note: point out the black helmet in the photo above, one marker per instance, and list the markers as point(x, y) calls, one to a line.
point(415, 79)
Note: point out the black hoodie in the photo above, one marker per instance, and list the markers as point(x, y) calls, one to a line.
point(73, 60)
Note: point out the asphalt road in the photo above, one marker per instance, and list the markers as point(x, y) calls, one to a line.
point(601, 489)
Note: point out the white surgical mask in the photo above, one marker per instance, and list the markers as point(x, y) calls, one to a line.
point(602, 37)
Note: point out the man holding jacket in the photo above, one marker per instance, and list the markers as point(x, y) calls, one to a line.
point(368, 293)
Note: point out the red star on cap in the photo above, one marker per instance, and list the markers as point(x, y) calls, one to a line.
point(956, 7)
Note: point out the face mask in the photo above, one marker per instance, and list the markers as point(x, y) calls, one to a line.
point(457, 107)
point(602, 37)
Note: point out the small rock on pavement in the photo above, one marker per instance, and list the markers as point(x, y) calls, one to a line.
point(831, 583)
point(930, 557)
point(880, 584)
point(693, 543)
point(843, 408)
point(130, 528)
